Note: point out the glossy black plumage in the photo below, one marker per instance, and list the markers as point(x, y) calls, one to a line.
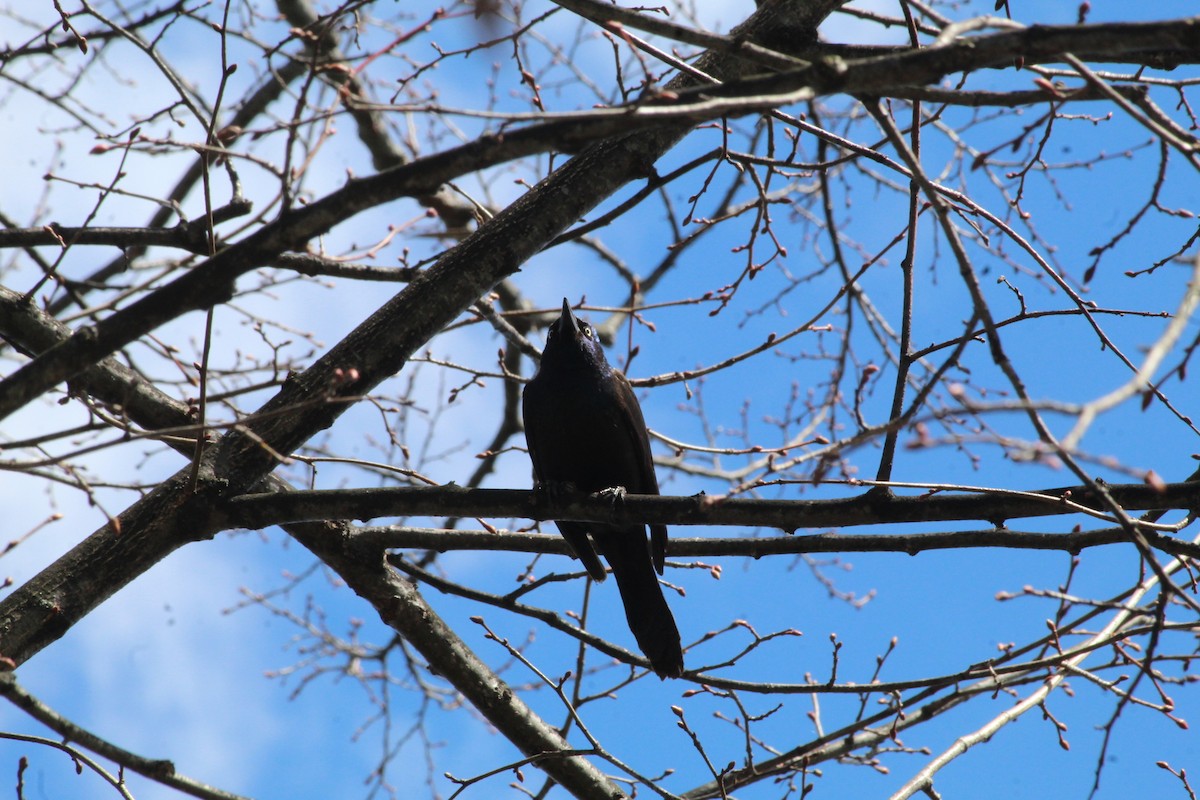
point(584, 427)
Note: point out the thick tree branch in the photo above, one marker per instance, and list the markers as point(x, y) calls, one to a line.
point(870, 508)
point(399, 537)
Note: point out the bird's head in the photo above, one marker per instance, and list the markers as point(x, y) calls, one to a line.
point(571, 340)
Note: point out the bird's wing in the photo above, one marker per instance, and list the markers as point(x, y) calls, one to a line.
point(647, 481)
point(576, 535)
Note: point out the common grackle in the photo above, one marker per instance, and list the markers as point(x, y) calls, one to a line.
point(585, 428)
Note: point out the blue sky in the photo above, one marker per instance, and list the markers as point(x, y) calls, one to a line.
point(169, 669)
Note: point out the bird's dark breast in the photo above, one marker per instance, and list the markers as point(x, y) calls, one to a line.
point(583, 434)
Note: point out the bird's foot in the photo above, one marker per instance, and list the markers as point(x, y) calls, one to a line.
point(614, 493)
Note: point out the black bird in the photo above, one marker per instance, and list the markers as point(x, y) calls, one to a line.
point(585, 428)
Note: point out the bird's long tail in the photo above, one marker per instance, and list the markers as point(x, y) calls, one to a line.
point(646, 609)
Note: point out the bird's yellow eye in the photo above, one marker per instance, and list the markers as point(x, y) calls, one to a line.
point(587, 331)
